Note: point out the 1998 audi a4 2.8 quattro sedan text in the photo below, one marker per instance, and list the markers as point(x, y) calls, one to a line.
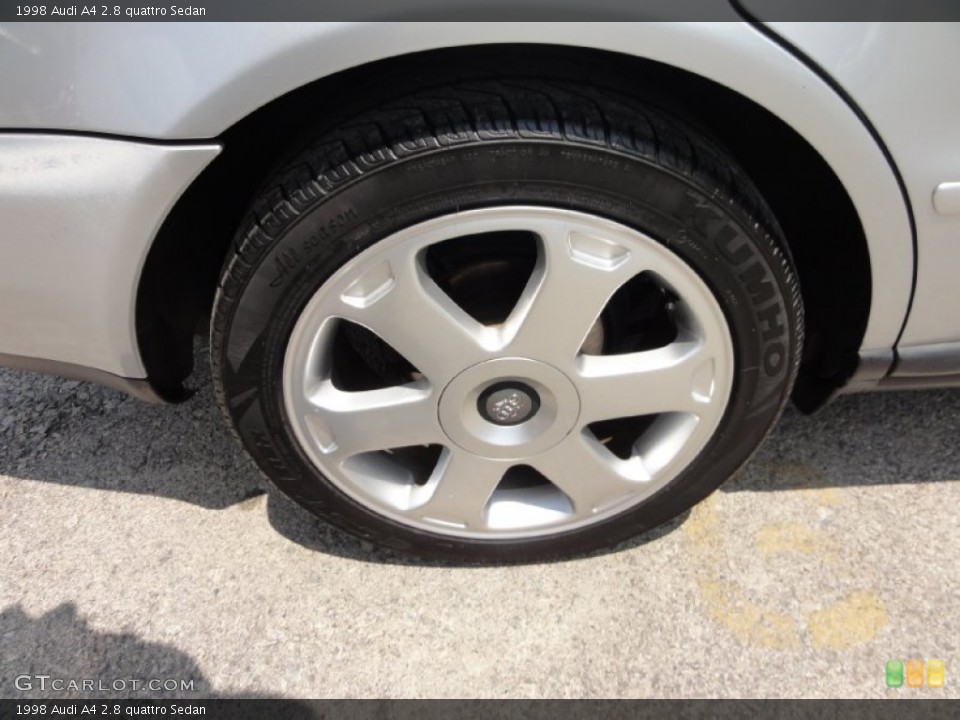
point(486, 291)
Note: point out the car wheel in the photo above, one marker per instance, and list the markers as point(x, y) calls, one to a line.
point(506, 322)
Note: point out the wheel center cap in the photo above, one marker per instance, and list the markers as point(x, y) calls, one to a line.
point(508, 403)
point(509, 408)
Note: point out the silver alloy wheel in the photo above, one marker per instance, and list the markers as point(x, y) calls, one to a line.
point(522, 393)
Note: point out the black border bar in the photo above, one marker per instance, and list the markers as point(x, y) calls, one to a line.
point(472, 10)
point(257, 709)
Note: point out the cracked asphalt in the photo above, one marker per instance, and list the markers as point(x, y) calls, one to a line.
point(138, 542)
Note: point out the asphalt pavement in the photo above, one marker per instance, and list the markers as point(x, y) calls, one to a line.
point(139, 543)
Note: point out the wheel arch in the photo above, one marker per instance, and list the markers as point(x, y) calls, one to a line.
point(838, 269)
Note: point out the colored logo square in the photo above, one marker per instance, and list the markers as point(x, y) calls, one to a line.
point(914, 673)
point(894, 673)
point(935, 673)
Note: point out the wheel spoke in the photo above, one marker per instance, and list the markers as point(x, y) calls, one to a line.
point(676, 378)
point(462, 484)
point(401, 304)
point(573, 279)
point(347, 423)
point(586, 476)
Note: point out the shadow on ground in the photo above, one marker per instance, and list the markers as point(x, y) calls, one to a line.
point(72, 433)
point(861, 440)
point(62, 646)
point(59, 656)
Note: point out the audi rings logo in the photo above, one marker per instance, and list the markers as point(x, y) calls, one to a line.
point(510, 408)
point(509, 403)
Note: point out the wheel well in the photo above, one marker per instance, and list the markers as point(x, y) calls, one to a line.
point(819, 221)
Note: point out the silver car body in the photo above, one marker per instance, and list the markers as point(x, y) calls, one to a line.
point(104, 126)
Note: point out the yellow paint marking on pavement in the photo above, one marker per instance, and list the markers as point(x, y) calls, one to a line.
point(746, 620)
point(823, 497)
point(794, 537)
point(852, 621)
point(726, 602)
point(703, 524)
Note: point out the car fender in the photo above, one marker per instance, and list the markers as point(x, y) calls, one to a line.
point(185, 82)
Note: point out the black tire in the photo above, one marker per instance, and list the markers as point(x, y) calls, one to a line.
point(504, 143)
